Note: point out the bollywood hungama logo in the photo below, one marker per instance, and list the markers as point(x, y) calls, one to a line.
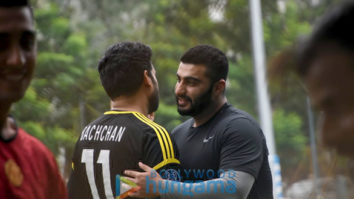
point(188, 187)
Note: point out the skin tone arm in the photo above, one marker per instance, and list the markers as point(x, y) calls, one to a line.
point(233, 185)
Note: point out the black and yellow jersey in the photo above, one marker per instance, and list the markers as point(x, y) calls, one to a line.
point(115, 142)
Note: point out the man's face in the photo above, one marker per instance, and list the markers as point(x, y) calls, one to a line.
point(17, 52)
point(193, 89)
point(154, 97)
point(330, 81)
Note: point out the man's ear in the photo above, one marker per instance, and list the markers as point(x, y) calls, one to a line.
point(147, 79)
point(220, 86)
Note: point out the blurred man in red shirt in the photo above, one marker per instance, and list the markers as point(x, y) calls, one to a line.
point(27, 168)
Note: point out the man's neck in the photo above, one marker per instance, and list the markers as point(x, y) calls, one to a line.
point(4, 111)
point(7, 126)
point(129, 104)
point(208, 113)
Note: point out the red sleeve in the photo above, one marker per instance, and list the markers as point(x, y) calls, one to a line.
point(54, 187)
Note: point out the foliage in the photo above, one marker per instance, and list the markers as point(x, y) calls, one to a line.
point(291, 141)
point(66, 93)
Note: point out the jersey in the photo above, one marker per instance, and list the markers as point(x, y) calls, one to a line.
point(28, 170)
point(115, 142)
point(230, 140)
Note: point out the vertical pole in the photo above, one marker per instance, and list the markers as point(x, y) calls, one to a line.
point(313, 147)
point(264, 109)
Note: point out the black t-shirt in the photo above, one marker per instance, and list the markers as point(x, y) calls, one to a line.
point(230, 140)
point(115, 142)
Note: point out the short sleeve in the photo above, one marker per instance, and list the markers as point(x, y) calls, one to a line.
point(47, 167)
point(56, 188)
point(242, 147)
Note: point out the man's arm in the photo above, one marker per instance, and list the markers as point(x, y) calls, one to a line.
point(231, 184)
point(242, 151)
point(234, 185)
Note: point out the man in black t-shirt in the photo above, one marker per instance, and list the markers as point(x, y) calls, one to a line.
point(230, 140)
point(124, 136)
point(222, 149)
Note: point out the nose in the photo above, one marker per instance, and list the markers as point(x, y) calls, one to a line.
point(15, 57)
point(179, 89)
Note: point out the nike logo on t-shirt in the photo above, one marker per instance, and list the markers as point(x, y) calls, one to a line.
point(207, 139)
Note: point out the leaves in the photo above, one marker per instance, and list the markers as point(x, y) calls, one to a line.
point(66, 92)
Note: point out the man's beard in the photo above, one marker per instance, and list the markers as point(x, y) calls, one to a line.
point(199, 103)
point(154, 101)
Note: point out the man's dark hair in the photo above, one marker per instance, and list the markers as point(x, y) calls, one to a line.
point(213, 58)
point(334, 27)
point(16, 3)
point(122, 68)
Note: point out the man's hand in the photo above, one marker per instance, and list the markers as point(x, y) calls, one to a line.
point(148, 181)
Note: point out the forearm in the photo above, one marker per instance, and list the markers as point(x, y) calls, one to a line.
point(232, 185)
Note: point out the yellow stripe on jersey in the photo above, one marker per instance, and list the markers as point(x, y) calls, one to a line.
point(166, 136)
point(118, 112)
point(170, 142)
point(165, 162)
point(167, 145)
point(157, 133)
point(163, 133)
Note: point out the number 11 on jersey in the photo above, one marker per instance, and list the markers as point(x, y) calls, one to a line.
point(88, 159)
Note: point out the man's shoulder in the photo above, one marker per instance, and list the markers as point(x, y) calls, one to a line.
point(148, 125)
point(231, 111)
point(34, 146)
point(31, 141)
point(240, 122)
point(232, 114)
point(182, 127)
point(132, 120)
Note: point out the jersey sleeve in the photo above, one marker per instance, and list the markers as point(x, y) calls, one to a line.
point(242, 147)
point(55, 187)
point(160, 153)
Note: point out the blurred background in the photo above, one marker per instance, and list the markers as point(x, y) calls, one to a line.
point(66, 93)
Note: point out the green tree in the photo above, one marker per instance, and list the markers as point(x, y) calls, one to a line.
point(66, 93)
point(291, 141)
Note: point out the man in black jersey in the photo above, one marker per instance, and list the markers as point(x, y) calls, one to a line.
point(220, 145)
point(123, 136)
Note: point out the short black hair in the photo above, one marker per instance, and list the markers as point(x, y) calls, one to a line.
point(16, 3)
point(122, 68)
point(214, 59)
point(334, 27)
